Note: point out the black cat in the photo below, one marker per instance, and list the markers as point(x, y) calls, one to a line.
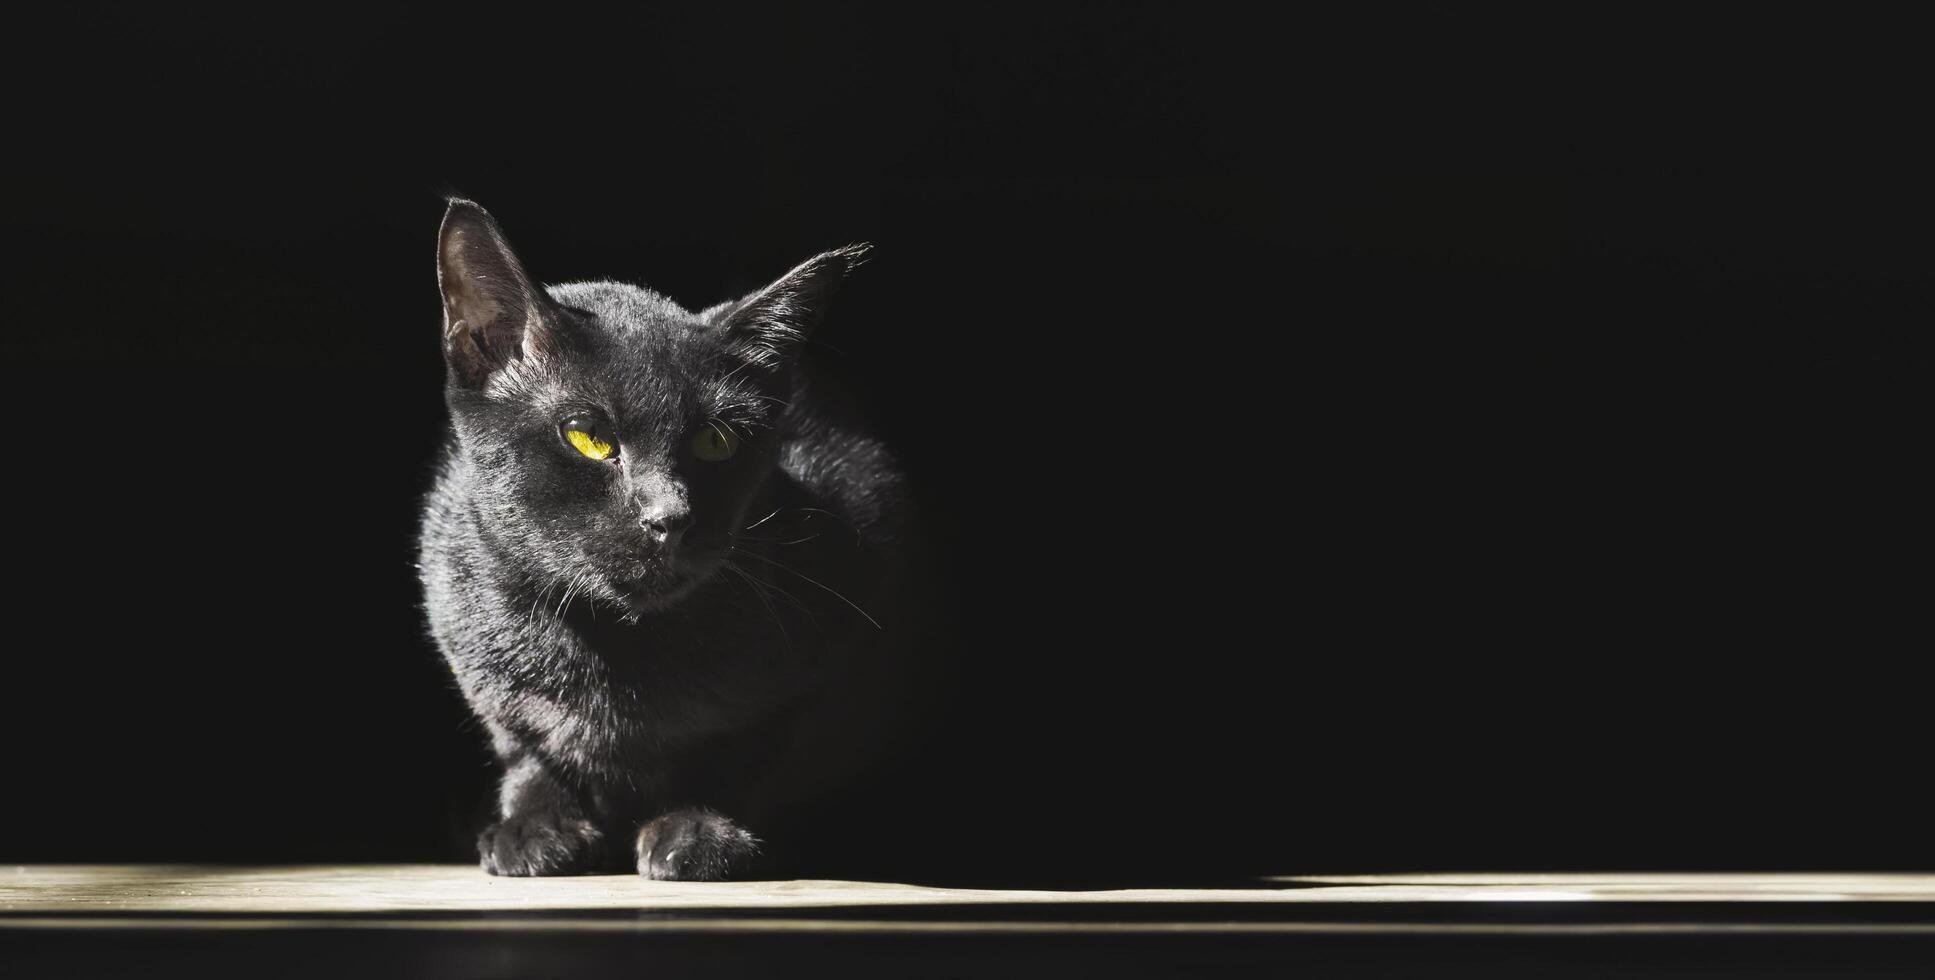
point(659, 557)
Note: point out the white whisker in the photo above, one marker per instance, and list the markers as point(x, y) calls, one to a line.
point(813, 581)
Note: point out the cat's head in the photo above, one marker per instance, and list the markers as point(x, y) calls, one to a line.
point(612, 440)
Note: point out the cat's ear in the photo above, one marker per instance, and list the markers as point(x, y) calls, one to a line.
point(493, 312)
point(768, 327)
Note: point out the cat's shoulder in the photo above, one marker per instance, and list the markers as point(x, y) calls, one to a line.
point(834, 453)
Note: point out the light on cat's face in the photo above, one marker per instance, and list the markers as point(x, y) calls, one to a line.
point(714, 442)
point(658, 506)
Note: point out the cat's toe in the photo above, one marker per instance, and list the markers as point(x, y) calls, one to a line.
point(526, 846)
point(694, 845)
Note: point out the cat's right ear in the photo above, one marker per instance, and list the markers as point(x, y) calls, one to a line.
point(493, 313)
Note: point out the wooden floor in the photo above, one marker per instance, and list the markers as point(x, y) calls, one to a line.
point(417, 919)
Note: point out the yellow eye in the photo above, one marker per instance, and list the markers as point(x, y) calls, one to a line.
point(582, 434)
point(714, 443)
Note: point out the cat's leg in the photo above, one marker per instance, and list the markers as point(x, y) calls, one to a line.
point(543, 827)
point(694, 844)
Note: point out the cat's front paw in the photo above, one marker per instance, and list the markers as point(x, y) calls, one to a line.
point(541, 845)
point(694, 845)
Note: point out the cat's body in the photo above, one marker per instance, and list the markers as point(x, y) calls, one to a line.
point(657, 558)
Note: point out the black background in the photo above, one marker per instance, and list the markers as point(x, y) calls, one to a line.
point(1429, 443)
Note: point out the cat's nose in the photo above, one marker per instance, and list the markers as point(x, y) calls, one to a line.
point(663, 523)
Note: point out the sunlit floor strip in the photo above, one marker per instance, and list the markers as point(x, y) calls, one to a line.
point(421, 889)
point(885, 927)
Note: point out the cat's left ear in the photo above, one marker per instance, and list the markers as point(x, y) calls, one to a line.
point(768, 327)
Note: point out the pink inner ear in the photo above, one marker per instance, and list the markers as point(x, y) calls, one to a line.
point(487, 297)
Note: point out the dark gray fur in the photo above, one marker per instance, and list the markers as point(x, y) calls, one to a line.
point(664, 651)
